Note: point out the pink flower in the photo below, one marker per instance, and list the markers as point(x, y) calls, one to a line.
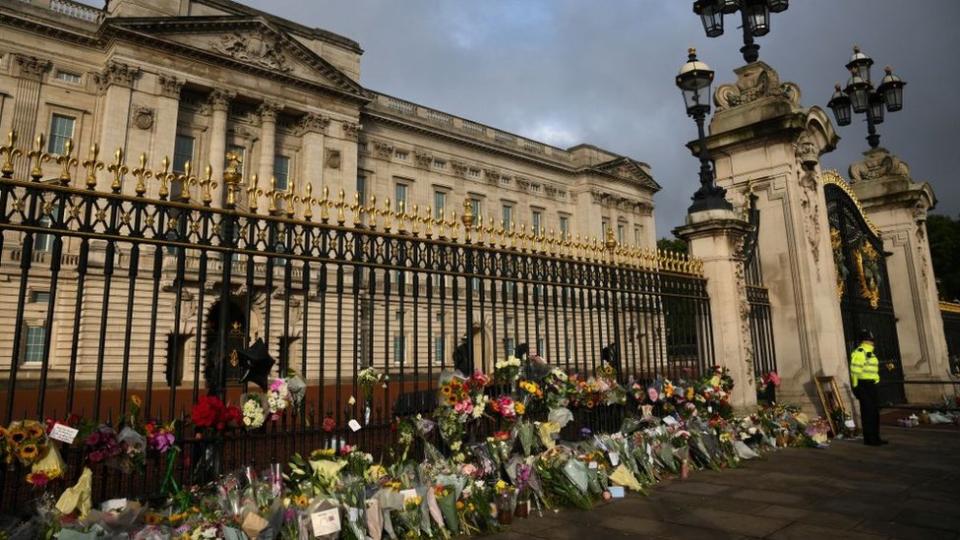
point(468, 469)
point(464, 407)
point(345, 449)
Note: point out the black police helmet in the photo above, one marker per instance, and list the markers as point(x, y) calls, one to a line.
point(866, 335)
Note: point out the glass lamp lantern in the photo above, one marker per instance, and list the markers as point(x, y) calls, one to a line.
point(891, 87)
point(860, 64)
point(778, 6)
point(729, 7)
point(694, 81)
point(859, 92)
point(758, 17)
point(711, 14)
point(875, 112)
point(840, 104)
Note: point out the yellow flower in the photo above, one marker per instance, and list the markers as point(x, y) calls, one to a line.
point(29, 452)
point(34, 429)
point(17, 435)
point(135, 399)
point(519, 408)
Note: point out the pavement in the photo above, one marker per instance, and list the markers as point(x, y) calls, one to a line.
point(907, 489)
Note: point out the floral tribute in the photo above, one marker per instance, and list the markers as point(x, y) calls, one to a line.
point(460, 483)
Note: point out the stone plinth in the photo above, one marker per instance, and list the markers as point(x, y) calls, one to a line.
point(898, 206)
point(763, 139)
point(716, 237)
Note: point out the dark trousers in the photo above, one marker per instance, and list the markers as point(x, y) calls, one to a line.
point(866, 392)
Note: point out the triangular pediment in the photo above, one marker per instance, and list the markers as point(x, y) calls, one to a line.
point(250, 43)
point(628, 170)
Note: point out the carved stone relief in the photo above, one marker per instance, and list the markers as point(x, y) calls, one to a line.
point(116, 73)
point(143, 117)
point(383, 149)
point(878, 163)
point(746, 342)
point(332, 158)
point(31, 66)
point(755, 81)
point(170, 86)
point(261, 49)
point(351, 131)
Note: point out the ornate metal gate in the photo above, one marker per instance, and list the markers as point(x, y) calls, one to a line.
point(862, 284)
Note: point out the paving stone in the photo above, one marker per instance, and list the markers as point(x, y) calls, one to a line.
point(696, 488)
point(650, 527)
point(834, 520)
point(777, 511)
point(803, 531)
point(731, 522)
point(934, 520)
point(905, 532)
point(767, 496)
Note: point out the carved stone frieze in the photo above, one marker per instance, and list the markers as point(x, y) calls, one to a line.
point(170, 86)
point(259, 49)
point(878, 163)
point(143, 117)
point(383, 149)
point(117, 73)
point(312, 123)
point(492, 175)
point(219, 100)
point(810, 206)
point(746, 342)
point(612, 200)
point(459, 168)
point(351, 130)
point(422, 159)
point(332, 158)
point(267, 110)
point(754, 81)
point(31, 66)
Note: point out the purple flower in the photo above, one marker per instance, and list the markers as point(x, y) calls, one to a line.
point(289, 515)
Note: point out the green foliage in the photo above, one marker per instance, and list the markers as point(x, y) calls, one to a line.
point(672, 244)
point(944, 234)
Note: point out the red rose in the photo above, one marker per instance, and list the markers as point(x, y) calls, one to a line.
point(207, 411)
point(328, 424)
point(231, 417)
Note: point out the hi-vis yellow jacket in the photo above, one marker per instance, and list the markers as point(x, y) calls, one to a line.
point(864, 365)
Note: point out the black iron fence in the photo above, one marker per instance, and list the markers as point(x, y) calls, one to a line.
point(105, 295)
point(761, 320)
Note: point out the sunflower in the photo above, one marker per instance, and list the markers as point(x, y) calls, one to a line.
point(301, 501)
point(29, 452)
point(17, 435)
point(153, 518)
point(35, 430)
point(519, 408)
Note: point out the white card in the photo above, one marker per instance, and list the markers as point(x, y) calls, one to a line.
point(593, 465)
point(113, 505)
point(670, 421)
point(354, 425)
point(616, 492)
point(614, 459)
point(325, 522)
point(62, 433)
point(408, 494)
point(353, 513)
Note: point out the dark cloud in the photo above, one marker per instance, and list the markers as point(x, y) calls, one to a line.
point(602, 72)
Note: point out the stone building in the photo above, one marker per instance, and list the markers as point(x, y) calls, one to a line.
point(194, 80)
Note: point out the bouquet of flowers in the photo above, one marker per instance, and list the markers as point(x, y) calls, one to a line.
point(507, 371)
point(26, 441)
point(816, 432)
point(564, 477)
point(447, 501)
point(556, 388)
point(767, 387)
point(368, 378)
point(278, 397)
point(254, 415)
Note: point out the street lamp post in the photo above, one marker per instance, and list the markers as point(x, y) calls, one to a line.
point(754, 18)
point(859, 96)
point(694, 80)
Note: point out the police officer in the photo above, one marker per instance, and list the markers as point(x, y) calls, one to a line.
point(865, 376)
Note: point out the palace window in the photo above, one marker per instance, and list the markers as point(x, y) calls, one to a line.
point(509, 346)
point(401, 192)
point(176, 345)
point(439, 164)
point(536, 221)
point(182, 153)
point(439, 203)
point(507, 216)
point(565, 226)
point(621, 233)
point(61, 130)
point(362, 188)
point(473, 173)
point(33, 345)
point(636, 236)
point(281, 171)
point(39, 297)
point(604, 225)
point(401, 155)
point(67, 77)
point(44, 242)
point(476, 206)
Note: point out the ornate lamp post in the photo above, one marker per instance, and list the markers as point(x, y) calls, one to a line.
point(754, 16)
point(694, 80)
point(860, 96)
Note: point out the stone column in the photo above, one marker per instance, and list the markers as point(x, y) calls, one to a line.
point(268, 143)
point(312, 128)
point(761, 137)
point(347, 159)
point(219, 101)
point(168, 109)
point(116, 87)
point(897, 205)
point(716, 237)
point(30, 71)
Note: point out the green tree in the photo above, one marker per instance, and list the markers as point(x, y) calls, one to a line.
point(672, 244)
point(944, 235)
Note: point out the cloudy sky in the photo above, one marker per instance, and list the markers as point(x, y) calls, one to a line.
point(571, 71)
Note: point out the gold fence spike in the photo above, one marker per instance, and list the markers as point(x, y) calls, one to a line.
point(232, 178)
point(414, 218)
point(357, 210)
point(341, 204)
point(253, 194)
point(118, 169)
point(372, 212)
point(271, 195)
point(187, 181)
point(92, 165)
point(66, 162)
point(400, 215)
point(37, 157)
point(207, 184)
point(141, 173)
point(290, 199)
point(163, 176)
point(325, 205)
point(387, 215)
point(308, 201)
point(454, 225)
point(427, 221)
point(439, 222)
point(9, 152)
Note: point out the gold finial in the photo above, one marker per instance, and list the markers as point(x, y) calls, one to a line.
point(414, 218)
point(207, 185)
point(66, 162)
point(479, 229)
point(523, 236)
point(341, 204)
point(692, 50)
point(92, 165)
point(400, 214)
point(387, 215)
point(37, 156)
point(290, 199)
point(164, 176)
point(611, 242)
point(187, 180)
point(9, 152)
point(325, 205)
point(253, 194)
point(140, 173)
point(118, 169)
point(356, 210)
point(232, 178)
point(272, 196)
point(371, 211)
point(439, 222)
point(308, 201)
point(454, 226)
point(427, 221)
